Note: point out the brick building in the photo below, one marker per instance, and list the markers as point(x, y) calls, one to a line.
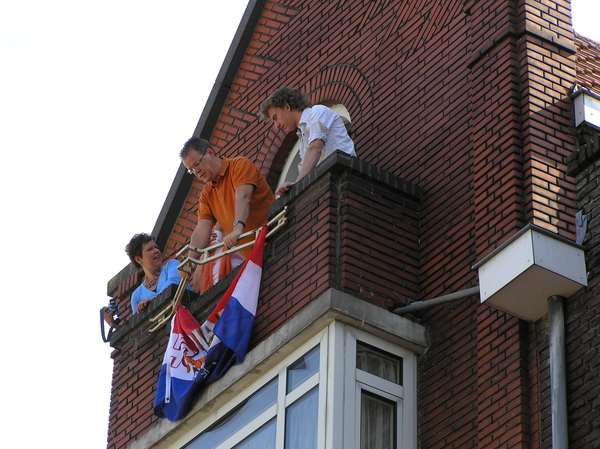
point(462, 113)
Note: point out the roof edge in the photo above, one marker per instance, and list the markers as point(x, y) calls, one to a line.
point(208, 119)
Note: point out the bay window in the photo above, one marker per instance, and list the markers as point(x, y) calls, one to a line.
point(341, 389)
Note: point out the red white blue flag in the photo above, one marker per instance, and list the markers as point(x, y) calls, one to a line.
point(198, 355)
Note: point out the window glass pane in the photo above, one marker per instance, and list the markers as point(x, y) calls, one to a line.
point(238, 418)
point(301, 424)
point(377, 417)
point(302, 369)
point(379, 363)
point(263, 438)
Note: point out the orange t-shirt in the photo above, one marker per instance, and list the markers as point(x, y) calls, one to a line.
point(217, 201)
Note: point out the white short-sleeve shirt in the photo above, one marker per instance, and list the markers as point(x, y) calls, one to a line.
point(320, 122)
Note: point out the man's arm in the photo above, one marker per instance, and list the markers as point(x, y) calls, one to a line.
point(201, 236)
point(310, 161)
point(200, 239)
point(243, 195)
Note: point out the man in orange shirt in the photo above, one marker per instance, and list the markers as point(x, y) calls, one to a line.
point(235, 194)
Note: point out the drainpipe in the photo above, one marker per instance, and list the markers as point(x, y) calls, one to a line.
point(558, 375)
point(420, 305)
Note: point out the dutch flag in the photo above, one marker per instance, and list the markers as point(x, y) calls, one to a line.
point(198, 355)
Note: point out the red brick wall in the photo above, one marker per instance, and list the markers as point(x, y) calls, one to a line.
point(390, 88)
point(350, 231)
point(522, 70)
point(438, 97)
point(447, 378)
point(588, 63)
point(468, 100)
point(137, 362)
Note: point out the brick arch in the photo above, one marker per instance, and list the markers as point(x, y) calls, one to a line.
point(338, 83)
point(345, 84)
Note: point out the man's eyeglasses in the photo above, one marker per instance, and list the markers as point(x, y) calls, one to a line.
point(194, 168)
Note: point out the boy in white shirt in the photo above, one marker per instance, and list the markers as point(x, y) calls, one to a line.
point(320, 130)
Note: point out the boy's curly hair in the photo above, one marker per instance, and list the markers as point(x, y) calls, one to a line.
point(279, 98)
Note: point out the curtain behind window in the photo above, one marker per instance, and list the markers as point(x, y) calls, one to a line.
point(301, 424)
point(377, 418)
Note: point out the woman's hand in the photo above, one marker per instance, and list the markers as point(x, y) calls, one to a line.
point(143, 305)
point(108, 317)
point(183, 274)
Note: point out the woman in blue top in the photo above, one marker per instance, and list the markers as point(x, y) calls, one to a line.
point(147, 258)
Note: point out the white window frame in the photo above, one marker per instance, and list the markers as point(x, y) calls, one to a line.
point(283, 400)
point(403, 395)
point(340, 384)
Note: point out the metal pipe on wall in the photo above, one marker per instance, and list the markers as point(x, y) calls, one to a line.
point(420, 305)
point(558, 374)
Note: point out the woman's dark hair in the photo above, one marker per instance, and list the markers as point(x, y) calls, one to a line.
point(135, 246)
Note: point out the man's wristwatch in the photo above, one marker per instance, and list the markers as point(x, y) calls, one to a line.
point(237, 222)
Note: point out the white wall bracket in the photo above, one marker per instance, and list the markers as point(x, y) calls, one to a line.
point(519, 276)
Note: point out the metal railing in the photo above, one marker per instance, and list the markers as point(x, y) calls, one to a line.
point(187, 264)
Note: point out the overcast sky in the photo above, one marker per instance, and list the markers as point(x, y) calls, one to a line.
point(96, 99)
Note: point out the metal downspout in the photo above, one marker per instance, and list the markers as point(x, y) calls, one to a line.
point(420, 305)
point(558, 374)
